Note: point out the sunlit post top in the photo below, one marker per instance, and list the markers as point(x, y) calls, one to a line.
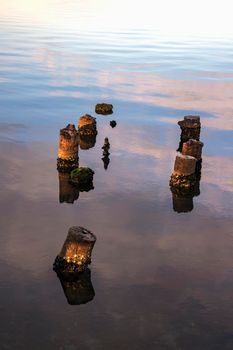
point(75, 254)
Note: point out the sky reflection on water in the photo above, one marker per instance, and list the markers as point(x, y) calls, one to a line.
point(161, 279)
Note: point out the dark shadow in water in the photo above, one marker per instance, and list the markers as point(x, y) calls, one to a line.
point(68, 191)
point(78, 289)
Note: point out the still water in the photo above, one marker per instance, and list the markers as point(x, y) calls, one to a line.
point(159, 279)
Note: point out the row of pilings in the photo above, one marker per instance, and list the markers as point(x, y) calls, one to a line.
point(72, 263)
point(74, 179)
point(186, 175)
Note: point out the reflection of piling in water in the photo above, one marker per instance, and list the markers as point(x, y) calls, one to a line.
point(106, 154)
point(86, 142)
point(78, 290)
point(68, 149)
point(75, 254)
point(67, 192)
point(190, 129)
point(182, 204)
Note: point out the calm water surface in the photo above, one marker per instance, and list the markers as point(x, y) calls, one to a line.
point(162, 279)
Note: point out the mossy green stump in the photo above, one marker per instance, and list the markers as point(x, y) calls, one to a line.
point(104, 108)
point(82, 178)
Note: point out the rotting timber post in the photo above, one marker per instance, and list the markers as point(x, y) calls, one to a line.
point(68, 149)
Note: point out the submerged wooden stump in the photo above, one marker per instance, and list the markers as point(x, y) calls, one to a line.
point(68, 149)
point(75, 254)
point(78, 290)
point(104, 108)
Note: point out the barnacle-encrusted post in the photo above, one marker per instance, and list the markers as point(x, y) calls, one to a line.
point(68, 149)
point(183, 176)
point(75, 254)
point(87, 131)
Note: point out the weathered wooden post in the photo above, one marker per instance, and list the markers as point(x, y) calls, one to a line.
point(183, 176)
point(71, 265)
point(75, 254)
point(87, 131)
point(185, 179)
point(68, 149)
point(193, 148)
point(190, 129)
point(184, 165)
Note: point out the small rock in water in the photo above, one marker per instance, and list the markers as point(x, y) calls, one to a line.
point(104, 108)
point(113, 123)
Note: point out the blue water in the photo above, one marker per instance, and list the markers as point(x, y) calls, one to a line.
point(162, 279)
